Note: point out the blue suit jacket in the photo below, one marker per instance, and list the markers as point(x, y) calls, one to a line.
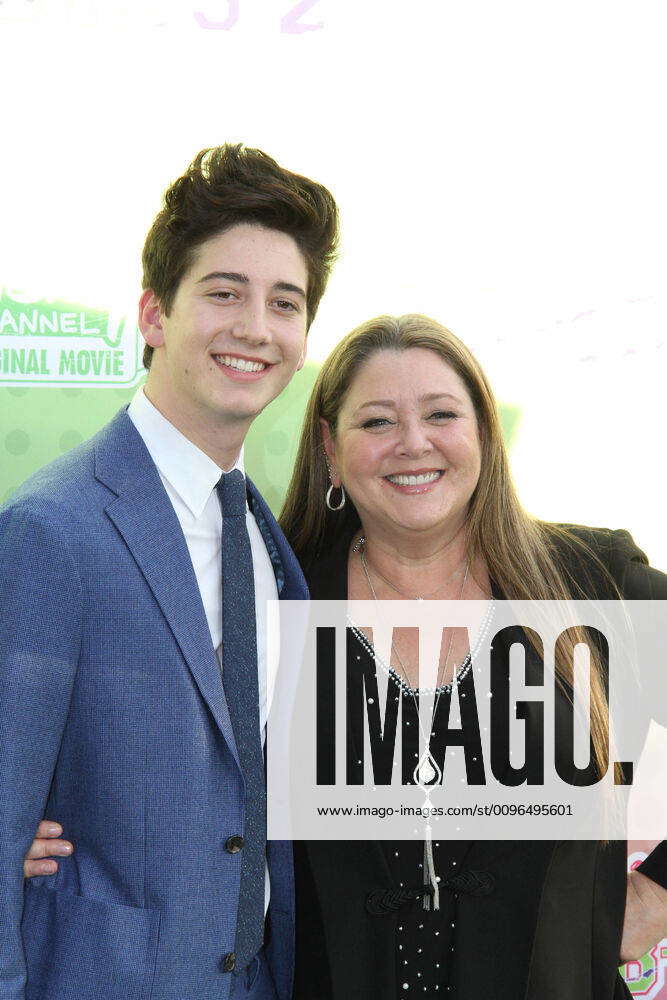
point(113, 720)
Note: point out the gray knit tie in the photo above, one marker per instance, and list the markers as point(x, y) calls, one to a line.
point(239, 677)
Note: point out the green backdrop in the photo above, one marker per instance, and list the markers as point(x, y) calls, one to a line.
point(40, 423)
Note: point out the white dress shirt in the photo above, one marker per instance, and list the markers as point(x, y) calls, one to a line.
point(189, 477)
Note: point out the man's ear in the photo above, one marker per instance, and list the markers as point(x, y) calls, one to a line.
point(150, 319)
point(330, 451)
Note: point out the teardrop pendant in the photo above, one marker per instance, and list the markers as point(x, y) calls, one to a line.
point(427, 770)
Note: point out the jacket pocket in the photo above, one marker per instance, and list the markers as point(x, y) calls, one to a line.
point(78, 948)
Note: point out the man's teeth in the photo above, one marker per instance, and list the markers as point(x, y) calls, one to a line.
point(424, 477)
point(240, 363)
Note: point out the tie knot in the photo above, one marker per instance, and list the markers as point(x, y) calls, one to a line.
point(232, 492)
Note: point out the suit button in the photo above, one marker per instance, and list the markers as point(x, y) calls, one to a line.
point(234, 845)
point(229, 962)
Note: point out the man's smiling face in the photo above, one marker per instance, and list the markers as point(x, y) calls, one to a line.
point(235, 334)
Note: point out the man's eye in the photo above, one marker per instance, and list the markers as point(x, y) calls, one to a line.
point(286, 305)
point(221, 295)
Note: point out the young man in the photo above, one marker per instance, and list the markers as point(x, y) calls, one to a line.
point(132, 650)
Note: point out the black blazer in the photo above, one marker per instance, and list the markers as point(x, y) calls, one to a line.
point(551, 928)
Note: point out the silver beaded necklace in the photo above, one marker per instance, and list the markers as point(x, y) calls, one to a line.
point(427, 772)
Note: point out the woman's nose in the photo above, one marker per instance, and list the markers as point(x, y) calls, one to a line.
point(413, 438)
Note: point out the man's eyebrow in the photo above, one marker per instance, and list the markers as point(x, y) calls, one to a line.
point(287, 286)
point(243, 279)
point(226, 276)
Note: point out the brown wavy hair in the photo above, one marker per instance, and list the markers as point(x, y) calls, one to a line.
point(521, 552)
point(223, 187)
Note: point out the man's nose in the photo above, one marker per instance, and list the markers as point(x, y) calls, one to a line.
point(252, 325)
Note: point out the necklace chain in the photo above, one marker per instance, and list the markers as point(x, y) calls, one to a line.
point(360, 547)
point(427, 770)
point(398, 680)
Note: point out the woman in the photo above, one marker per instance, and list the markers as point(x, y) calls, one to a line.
point(407, 494)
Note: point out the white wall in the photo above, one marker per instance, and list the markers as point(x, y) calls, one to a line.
point(500, 166)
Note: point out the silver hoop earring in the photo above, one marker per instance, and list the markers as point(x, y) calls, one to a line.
point(342, 497)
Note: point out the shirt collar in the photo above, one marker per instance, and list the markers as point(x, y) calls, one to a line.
point(190, 472)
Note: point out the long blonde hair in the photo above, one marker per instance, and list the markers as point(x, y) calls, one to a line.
point(519, 550)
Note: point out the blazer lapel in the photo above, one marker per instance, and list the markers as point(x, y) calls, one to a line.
point(289, 578)
point(147, 522)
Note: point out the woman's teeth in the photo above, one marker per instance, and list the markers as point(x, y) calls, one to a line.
point(424, 477)
point(240, 363)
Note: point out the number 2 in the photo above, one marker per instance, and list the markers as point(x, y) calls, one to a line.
point(291, 24)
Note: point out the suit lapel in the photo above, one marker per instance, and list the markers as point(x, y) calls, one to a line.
point(147, 522)
point(289, 578)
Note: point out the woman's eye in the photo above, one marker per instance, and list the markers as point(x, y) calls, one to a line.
point(376, 422)
point(442, 415)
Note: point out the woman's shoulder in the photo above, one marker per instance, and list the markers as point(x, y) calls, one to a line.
point(326, 575)
point(608, 545)
point(603, 555)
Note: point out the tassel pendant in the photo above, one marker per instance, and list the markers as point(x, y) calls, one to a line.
point(428, 772)
point(427, 880)
point(430, 877)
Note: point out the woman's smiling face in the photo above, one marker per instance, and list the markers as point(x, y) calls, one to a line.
point(407, 446)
